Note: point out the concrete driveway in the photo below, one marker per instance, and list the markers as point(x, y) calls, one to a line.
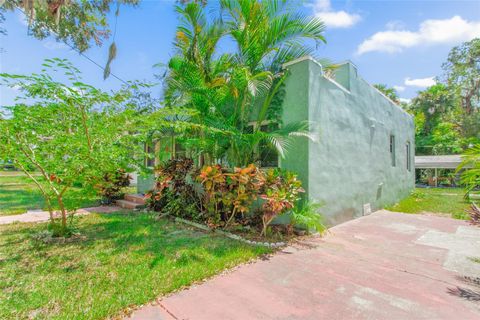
point(383, 266)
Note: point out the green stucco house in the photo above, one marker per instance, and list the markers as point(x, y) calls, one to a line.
point(363, 156)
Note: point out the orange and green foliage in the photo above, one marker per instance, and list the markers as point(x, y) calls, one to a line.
point(231, 192)
point(220, 196)
point(281, 192)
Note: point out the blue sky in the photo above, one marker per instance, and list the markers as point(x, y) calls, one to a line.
point(399, 43)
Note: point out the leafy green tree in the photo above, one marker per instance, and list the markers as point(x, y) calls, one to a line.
point(434, 110)
point(78, 22)
point(445, 139)
point(447, 115)
point(462, 73)
point(432, 103)
point(72, 134)
point(389, 92)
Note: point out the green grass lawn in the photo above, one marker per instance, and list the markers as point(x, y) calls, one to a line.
point(446, 201)
point(122, 260)
point(19, 194)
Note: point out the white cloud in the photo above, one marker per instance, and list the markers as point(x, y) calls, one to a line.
point(405, 100)
point(420, 83)
point(430, 32)
point(395, 25)
point(333, 19)
point(53, 45)
point(399, 88)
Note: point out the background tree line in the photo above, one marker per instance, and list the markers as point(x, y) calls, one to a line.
point(447, 114)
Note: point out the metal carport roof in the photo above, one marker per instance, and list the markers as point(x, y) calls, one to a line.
point(439, 162)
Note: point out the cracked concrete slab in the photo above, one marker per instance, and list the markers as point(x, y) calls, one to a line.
point(383, 266)
point(463, 246)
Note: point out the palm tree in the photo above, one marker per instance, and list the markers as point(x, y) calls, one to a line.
point(227, 89)
point(470, 168)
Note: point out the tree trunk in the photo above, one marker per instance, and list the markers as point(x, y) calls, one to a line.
point(266, 223)
point(230, 218)
point(63, 212)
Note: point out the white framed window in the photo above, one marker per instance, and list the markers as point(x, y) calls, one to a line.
point(408, 155)
point(392, 150)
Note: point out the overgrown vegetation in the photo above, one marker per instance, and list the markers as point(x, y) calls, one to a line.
point(174, 192)
point(119, 261)
point(222, 197)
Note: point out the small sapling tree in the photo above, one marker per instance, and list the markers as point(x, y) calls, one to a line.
point(70, 134)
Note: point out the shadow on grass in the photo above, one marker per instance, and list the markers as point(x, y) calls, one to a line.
point(19, 199)
point(137, 233)
point(142, 234)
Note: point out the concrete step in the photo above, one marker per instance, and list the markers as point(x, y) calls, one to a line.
point(128, 204)
point(137, 198)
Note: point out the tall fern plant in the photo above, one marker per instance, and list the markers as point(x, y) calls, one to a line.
point(308, 216)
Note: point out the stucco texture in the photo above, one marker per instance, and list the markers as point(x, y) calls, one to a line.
point(349, 164)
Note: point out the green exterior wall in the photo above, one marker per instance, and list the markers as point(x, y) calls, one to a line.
point(295, 109)
point(349, 164)
point(163, 150)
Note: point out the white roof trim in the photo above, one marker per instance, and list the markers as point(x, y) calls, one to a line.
point(304, 58)
point(337, 84)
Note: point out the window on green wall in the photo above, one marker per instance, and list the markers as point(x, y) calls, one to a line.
point(408, 155)
point(392, 149)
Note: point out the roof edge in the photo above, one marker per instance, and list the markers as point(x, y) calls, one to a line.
point(301, 59)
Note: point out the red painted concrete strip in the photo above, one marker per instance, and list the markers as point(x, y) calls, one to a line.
point(369, 268)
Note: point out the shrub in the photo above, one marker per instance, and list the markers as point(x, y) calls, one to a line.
point(226, 196)
point(173, 194)
point(230, 193)
point(214, 183)
point(307, 216)
point(281, 191)
point(110, 188)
